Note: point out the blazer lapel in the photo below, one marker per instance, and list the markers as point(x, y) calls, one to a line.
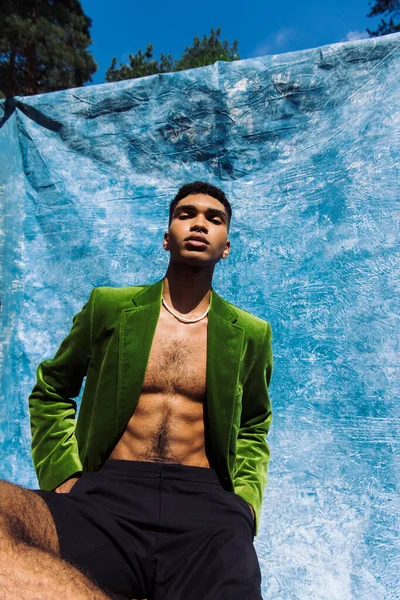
point(138, 326)
point(224, 351)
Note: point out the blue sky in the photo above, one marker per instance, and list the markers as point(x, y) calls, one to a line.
point(261, 27)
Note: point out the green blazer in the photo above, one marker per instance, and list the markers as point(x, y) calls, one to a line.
point(110, 343)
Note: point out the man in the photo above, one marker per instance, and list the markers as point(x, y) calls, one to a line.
point(157, 490)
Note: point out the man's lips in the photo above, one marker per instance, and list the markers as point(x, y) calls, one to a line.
point(196, 243)
point(196, 238)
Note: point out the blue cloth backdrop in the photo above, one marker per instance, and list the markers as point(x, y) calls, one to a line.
point(306, 146)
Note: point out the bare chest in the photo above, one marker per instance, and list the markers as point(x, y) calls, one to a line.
point(178, 359)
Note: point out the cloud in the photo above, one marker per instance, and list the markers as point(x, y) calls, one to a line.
point(261, 49)
point(281, 37)
point(275, 41)
point(355, 35)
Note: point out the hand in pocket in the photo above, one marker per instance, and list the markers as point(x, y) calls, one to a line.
point(66, 486)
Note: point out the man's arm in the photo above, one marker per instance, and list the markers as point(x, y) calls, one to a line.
point(52, 411)
point(252, 451)
point(67, 485)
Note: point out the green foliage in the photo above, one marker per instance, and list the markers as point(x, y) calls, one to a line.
point(206, 52)
point(202, 53)
point(388, 7)
point(43, 46)
point(139, 65)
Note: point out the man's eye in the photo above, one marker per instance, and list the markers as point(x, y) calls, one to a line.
point(216, 221)
point(182, 216)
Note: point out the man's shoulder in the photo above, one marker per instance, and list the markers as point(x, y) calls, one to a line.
point(248, 320)
point(116, 297)
point(119, 292)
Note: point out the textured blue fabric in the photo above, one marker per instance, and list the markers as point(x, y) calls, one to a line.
point(306, 146)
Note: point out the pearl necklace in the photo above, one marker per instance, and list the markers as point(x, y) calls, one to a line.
point(182, 319)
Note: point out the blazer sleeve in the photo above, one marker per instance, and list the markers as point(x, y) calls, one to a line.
point(252, 450)
point(52, 411)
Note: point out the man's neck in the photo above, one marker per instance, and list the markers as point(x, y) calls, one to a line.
point(187, 291)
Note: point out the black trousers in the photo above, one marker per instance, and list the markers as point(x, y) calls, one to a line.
point(158, 531)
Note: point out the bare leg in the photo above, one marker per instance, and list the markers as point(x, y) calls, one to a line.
point(30, 565)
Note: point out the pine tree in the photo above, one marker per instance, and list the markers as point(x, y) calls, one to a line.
point(140, 65)
point(203, 52)
point(207, 51)
point(391, 7)
point(43, 46)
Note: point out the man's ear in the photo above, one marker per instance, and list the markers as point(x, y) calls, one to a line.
point(226, 249)
point(165, 241)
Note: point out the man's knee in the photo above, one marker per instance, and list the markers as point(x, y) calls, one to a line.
point(26, 518)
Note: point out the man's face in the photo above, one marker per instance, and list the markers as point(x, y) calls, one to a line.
point(199, 215)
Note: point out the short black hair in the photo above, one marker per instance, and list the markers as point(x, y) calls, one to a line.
point(200, 187)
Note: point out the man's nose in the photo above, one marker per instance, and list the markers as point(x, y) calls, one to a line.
point(200, 222)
